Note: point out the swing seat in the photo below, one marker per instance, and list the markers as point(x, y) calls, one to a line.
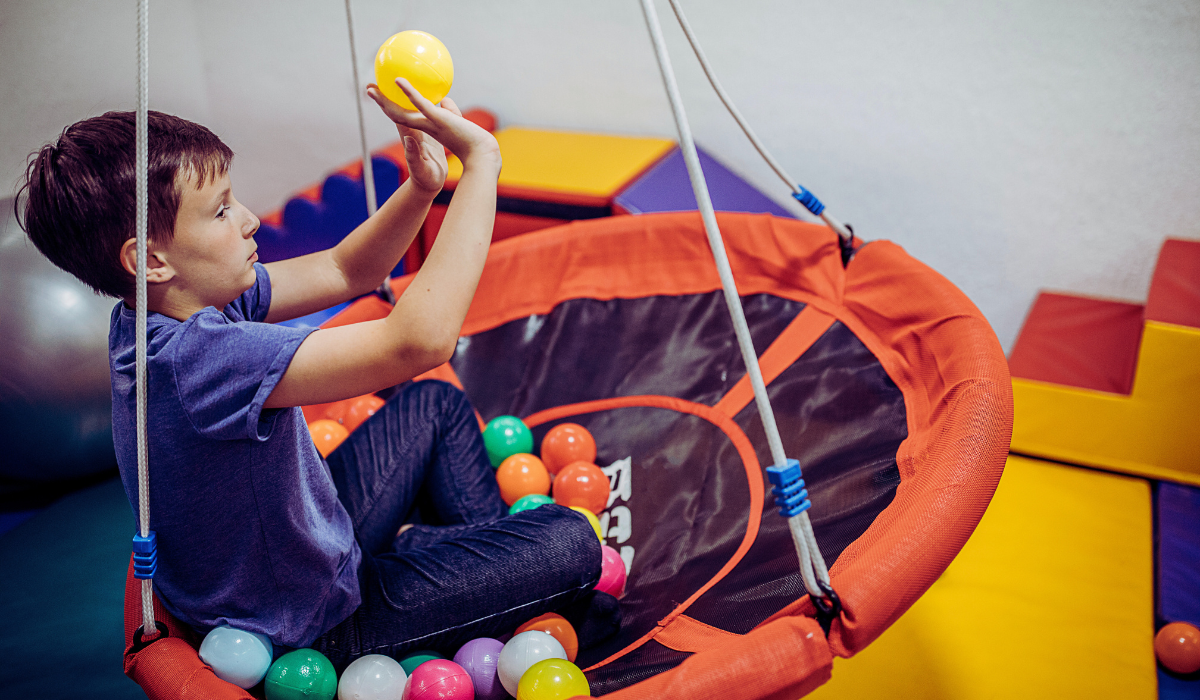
point(888, 385)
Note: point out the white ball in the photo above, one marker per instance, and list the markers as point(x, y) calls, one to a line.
point(372, 677)
point(523, 651)
point(237, 656)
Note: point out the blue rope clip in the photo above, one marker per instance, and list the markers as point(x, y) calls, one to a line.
point(788, 489)
point(145, 555)
point(810, 202)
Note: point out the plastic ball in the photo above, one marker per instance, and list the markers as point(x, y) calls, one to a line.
point(327, 435)
point(372, 677)
point(237, 656)
point(439, 679)
point(592, 519)
point(612, 573)
point(553, 679)
point(533, 500)
point(1177, 646)
point(505, 436)
point(567, 443)
point(304, 674)
point(521, 475)
point(480, 658)
point(582, 484)
point(415, 659)
point(524, 650)
point(556, 626)
point(421, 59)
point(351, 413)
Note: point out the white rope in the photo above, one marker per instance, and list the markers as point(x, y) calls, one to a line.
point(837, 226)
point(806, 548)
point(368, 169)
point(142, 159)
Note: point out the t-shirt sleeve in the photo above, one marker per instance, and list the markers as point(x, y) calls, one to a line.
point(255, 302)
point(225, 370)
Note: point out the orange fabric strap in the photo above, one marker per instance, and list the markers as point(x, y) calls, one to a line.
point(804, 330)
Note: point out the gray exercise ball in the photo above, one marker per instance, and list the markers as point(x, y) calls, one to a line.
point(55, 395)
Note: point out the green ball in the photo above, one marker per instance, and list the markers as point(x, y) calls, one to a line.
point(533, 500)
point(410, 662)
point(505, 436)
point(304, 674)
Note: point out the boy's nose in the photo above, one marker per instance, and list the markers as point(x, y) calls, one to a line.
point(252, 227)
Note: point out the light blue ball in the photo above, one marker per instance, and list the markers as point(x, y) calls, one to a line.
point(237, 656)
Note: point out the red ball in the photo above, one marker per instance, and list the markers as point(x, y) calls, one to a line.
point(567, 443)
point(439, 679)
point(581, 484)
point(1177, 646)
point(612, 573)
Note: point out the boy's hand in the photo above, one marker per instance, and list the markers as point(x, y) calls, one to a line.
point(426, 159)
point(445, 124)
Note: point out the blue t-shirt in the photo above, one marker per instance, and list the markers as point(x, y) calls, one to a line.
point(250, 530)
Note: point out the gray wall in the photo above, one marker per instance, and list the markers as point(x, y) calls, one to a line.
point(1012, 145)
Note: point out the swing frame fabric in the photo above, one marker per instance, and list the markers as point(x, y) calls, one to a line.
point(929, 338)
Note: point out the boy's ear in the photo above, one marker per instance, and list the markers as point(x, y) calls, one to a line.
point(157, 269)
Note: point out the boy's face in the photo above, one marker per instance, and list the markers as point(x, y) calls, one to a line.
point(213, 252)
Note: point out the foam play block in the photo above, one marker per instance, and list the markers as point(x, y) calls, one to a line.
point(666, 187)
point(1151, 432)
point(1079, 341)
point(1052, 597)
point(1178, 512)
point(1069, 410)
point(567, 168)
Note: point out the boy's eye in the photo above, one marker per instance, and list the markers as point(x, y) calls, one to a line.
point(222, 210)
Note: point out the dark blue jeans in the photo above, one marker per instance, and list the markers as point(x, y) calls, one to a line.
point(468, 569)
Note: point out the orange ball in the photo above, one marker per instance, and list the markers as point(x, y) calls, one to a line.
point(1177, 646)
point(360, 409)
point(556, 626)
point(327, 435)
point(567, 443)
point(581, 484)
point(520, 475)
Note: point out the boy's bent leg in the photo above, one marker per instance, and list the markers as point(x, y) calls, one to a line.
point(485, 582)
point(424, 440)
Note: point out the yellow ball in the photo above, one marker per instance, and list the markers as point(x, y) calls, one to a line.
point(552, 679)
point(591, 519)
point(421, 59)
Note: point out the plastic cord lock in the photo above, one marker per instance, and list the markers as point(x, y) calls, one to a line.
point(809, 200)
point(145, 555)
point(788, 489)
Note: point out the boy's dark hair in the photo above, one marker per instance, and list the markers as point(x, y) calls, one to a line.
point(78, 193)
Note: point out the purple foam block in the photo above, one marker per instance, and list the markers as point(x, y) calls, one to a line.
point(666, 187)
point(480, 657)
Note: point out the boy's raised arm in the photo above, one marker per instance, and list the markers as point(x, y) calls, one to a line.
point(422, 330)
point(358, 263)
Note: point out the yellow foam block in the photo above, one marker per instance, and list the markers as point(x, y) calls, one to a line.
point(592, 165)
point(1052, 598)
point(1154, 432)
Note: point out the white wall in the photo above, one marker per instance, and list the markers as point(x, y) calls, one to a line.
point(1012, 145)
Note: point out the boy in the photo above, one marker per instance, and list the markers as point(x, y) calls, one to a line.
point(254, 529)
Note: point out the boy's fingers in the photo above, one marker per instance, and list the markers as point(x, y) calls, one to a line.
point(423, 105)
point(449, 104)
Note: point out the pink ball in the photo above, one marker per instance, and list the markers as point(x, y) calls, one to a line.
point(439, 679)
point(612, 573)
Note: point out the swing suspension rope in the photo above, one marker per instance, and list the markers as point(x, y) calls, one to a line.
point(785, 475)
point(806, 198)
point(144, 550)
point(368, 169)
